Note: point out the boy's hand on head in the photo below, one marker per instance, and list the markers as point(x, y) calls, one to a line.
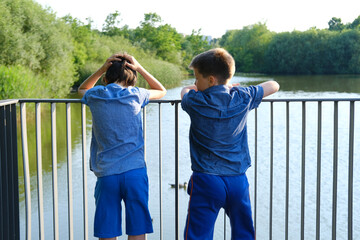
point(108, 61)
point(132, 62)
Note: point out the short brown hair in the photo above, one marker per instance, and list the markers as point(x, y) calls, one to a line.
point(217, 62)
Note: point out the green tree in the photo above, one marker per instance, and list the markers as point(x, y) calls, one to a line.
point(248, 46)
point(335, 24)
point(355, 24)
point(34, 38)
point(193, 45)
point(161, 39)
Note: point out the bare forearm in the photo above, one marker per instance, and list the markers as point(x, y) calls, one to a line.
point(270, 87)
point(90, 81)
point(151, 80)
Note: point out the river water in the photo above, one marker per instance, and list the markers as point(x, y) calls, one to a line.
point(291, 87)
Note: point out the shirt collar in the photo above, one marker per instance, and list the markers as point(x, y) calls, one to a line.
point(217, 88)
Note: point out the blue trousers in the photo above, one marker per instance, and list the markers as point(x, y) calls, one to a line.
point(208, 194)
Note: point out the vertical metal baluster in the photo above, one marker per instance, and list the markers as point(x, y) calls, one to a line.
point(303, 171)
point(287, 171)
point(54, 172)
point(318, 182)
point(15, 173)
point(335, 170)
point(84, 169)
point(224, 225)
point(3, 192)
point(271, 166)
point(255, 170)
point(69, 171)
point(160, 174)
point(25, 154)
point(351, 171)
point(39, 170)
point(176, 171)
point(5, 177)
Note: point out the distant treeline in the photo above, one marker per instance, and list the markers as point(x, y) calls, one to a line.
point(335, 50)
point(42, 55)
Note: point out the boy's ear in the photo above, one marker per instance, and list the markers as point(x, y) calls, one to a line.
point(212, 80)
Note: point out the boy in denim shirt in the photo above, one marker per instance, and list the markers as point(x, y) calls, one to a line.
point(117, 146)
point(218, 145)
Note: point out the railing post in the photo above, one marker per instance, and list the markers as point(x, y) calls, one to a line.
point(160, 175)
point(335, 169)
point(9, 192)
point(176, 171)
point(303, 146)
point(287, 184)
point(351, 170)
point(39, 171)
point(318, 181)
point(84, 170)
point(54, 172)
point(271, 167)
point(25, 155)
point(69, 171)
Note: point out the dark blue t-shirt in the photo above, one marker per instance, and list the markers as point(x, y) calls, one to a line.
point(117, 143)
point(218, 131)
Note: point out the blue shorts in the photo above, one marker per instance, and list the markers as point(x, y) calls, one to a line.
point(210, 193)
point(132, 187)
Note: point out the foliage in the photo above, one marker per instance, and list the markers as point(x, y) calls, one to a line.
point(19, 81)
point(314, 52)
point(163, 40)
point(329, 51)
point(248, 46)
point(33, 38)
point(193, 45)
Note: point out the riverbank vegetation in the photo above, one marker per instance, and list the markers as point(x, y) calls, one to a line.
point(42, 55)
point(335, 50)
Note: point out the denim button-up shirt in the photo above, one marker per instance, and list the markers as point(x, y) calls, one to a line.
point(218, 130)
point(117, 143)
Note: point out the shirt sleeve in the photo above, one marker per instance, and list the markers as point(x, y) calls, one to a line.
point(85, 98)
point(253, 94)
point(185, 101)
point(144, 96)
point(256, 93)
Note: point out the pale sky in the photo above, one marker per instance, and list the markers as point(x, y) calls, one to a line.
point(213, 17)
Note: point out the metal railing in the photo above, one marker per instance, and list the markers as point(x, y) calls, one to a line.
point(267, 114)
point(9, 193)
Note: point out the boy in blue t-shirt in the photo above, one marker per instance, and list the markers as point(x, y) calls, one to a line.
point(117, 146)
point(218, 145)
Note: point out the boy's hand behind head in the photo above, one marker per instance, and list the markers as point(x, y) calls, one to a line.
point(108, 62)
point(132, 62)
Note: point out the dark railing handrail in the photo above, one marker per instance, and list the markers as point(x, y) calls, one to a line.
point(172, 101)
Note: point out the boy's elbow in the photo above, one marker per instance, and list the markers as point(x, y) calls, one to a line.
point(81, 92)
point(270, 87)
point(276, 86)
point(163, 93)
